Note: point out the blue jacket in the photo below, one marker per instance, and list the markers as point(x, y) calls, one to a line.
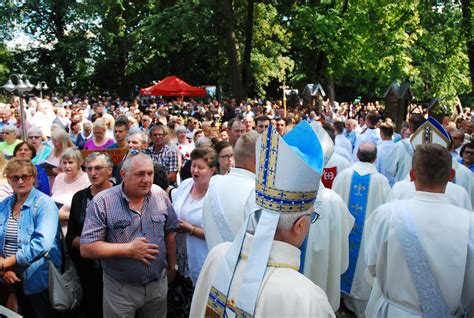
point(38, 236)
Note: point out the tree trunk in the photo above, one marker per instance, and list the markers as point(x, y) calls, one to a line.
point(248, 47)
point(58, 15)
point(467, 30)
point(233, 54)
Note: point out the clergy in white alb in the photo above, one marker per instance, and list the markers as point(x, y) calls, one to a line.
point(326, 249)
point(363, 189)
point(285, 292)
point(421, 250)
point(256, 274)
point(384, 148)
point(342, 145)
point(370, 135)
point(223, 211)
point(398, 162)
point(455, 194)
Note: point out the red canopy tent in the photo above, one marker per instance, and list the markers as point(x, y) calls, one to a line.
point(172, 86)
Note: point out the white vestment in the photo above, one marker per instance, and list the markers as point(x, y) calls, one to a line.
point(284, 291)
point(464, 178)
point(369, 136)
point(327, 248)
point(228, 195)
point(455, 194)
point(377, 195)
point(383, 151)
point(446, 234)
point(398, 162)
point(343, 143)
point(338, 161)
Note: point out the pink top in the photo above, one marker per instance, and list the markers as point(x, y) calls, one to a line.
point(90, 145)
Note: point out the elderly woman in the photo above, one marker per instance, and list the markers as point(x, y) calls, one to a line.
point(26, 151)
point(188, 203)
point(9, 140)
point(68, 182)
point(35, 138)
point(85, 135)
point(29, 237)
point(99, 170)
point(99, 140)
point(185, 145)
point(225, 156)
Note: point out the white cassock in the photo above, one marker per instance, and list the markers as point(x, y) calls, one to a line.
point(448, 242)
point(377, 195)
point(383, 151)
point(464, 178)
point(369, 136)
point(455, 194)
point(343, 143)
point(327, 247)
point(223, 211)
point(284, 291)
point(398, 162)
point(335, 165)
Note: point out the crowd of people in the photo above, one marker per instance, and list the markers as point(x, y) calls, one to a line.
point(149, 233)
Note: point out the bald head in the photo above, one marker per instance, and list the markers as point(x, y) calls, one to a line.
point(367, 152)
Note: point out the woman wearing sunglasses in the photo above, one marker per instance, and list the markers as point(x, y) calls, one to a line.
point(29, 237)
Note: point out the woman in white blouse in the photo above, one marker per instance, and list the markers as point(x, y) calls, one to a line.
point(188, 203)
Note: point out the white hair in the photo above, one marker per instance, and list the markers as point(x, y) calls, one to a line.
point(141, 159)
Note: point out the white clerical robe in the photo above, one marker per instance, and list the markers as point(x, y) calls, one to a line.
point(284, 292)
point(383, 151)
point(446, 234)
point(343, 143)
point(338, 161)
point(227, 195)
point(327, 249)
point(377, 195)
point(455, 194)
point(368, 136)
point(464, 178)
point(398, 162)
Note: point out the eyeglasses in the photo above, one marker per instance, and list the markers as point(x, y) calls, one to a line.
point(34, 137)
point(25, 178)
point(6, 132)
point(96, 168)
point(314, 216)
point(145, 119)
point(227, 157)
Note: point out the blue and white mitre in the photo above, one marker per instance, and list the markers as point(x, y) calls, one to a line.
point(430, 132)
point(287, 180)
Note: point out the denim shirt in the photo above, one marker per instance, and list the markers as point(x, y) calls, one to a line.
point(38, 235)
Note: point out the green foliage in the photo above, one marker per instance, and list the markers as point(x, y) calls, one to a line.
point(360, 47)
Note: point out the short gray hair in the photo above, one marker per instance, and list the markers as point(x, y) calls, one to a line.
point(99, 155)
point(286, 220)
point(10, 128)
point(244, 149)
point(179, 129)
point(74, 154)
point(203, 142)
point(143, 137)
point(128, 164)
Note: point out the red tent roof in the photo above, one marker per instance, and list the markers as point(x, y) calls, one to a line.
point(172, 86)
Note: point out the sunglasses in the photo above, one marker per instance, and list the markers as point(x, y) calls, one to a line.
point(25, 178)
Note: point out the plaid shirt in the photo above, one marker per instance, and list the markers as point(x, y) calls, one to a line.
point(110, 219)
point(167, 156)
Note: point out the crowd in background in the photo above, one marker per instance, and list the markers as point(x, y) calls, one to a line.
point(188, 141)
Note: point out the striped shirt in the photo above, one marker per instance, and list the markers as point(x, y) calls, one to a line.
point(11, 237)
point(110, 219)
